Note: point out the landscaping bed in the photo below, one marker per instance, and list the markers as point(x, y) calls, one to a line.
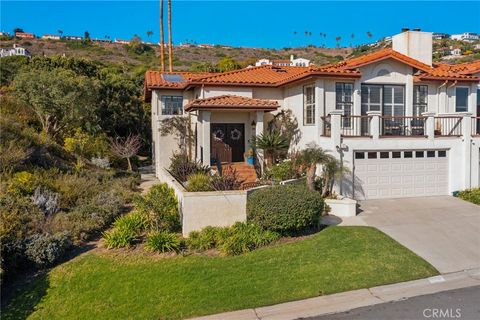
point(105, 285)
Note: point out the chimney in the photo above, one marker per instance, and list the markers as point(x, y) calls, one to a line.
point(416, 44)
point(292, 57)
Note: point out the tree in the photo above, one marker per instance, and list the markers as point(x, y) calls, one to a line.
point(369, 34)
point(87, 36)
point(337, 39)
point(60, 32)
point(126, 148)
point(285, 123)
point(272, 143)
point(228, 64)
point(149, 33)
point(170, 49)
point(60, 98)
point(17, 30)
point(310, 157)
point(162, 39)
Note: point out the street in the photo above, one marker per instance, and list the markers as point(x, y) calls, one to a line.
point(454, 304)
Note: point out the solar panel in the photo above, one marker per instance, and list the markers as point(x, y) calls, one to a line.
point(172, 77)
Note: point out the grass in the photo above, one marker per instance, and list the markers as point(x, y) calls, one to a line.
point(106, 286)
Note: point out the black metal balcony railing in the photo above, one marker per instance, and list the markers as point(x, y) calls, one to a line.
point(355, 126)
point(448, 126)
point(403, 126)
point(476, 126)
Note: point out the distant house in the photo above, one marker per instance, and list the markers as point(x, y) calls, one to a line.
point(15, 51)
point(102, 40)
point(4, 34)
point(120, 41)
point(440, 36)
point(476, 47)
point(298, 62)
point(456, 52)
point(466, 36)
point(51, 37)
point(205, 45)
point(24, 35)
point(73, 38)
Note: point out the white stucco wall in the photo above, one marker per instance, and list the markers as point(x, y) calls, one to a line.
point(208, 92)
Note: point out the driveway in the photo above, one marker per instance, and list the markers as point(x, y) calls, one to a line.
point(445, 231)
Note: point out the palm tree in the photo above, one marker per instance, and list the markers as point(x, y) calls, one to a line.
point(162, 41)
point(60, 32)
point(338, 38)
point(170, 51)
point(310, 157)
point(369, 34)
point(149, 33)
point(271, 143)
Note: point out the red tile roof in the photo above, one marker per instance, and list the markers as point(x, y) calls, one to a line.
point(232, 102)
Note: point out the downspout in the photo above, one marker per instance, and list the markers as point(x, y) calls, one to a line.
point(446, 91)
point(438, 95)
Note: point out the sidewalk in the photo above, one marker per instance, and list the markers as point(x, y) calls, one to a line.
point(345, 301)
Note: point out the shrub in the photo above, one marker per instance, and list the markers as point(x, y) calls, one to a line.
point(46, 249)
point(162, 242)
point(160, 207)
point(283, 171)
point(199, 182)
point(472, 195)
point(22, 183)
point(208, 238)
point(287, 209)
point(181, 167)
point(133, 221)
point(245, 237)
point(46, 201)
point(119, 238)
point(76, 188)
point(227, 181)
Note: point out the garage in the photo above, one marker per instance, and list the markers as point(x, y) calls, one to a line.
point(400, 173)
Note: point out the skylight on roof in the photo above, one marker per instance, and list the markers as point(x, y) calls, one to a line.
point(172, 77)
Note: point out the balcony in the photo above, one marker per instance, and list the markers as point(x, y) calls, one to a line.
point(374, 125)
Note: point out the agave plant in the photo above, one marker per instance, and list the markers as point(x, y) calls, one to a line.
point(272, 143)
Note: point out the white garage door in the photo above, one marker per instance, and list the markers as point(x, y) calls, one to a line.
point(398, 174)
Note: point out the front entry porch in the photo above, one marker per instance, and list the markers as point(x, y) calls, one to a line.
point(227, 142)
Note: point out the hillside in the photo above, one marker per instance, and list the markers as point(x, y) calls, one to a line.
point(185, 58)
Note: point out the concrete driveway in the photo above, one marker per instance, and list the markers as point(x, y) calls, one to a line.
point(445, 231)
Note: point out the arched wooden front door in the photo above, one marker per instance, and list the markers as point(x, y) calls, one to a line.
point(227, 142)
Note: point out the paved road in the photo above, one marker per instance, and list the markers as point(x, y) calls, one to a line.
point(444, 230)
point(466, 300)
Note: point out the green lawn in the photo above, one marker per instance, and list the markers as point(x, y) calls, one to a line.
point(105, 286)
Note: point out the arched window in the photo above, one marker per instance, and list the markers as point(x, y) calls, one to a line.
point(383, 73)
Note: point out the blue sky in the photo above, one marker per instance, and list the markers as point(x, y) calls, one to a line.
point(268, 24)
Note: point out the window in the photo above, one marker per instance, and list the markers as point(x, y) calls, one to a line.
point(461, 99)
point(309, 105)
point(172, 105)
point(371, 98)
point(407, 154)
point(344, 101)
point(396, 154)
point(442, 154)
point(419, 154)
point(372, 155)
point(359, 155)
point(393, 101)
point(430, 154)
point(383, 73)
point(384, 155)
point(420, 94)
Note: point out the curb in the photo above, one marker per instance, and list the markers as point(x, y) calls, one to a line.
point(345, 301)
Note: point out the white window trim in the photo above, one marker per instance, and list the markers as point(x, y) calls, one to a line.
point(305, 106)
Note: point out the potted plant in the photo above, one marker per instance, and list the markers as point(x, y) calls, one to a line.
point(250, 157)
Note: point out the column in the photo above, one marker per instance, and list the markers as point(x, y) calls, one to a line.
point(429, 124)
point(409, 95)
point(374, 123)
point(357, 98)
point(259, 130)
point(467, 148)
point(336, 130)
point(319, 107)
point(205, 116)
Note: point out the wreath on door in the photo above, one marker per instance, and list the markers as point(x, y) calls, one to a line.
point(218, 135)
point(235, 134)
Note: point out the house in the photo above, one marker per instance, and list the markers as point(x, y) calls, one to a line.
point(402, 125)
point(203, 45)
point(51, 37)
point(4, 34)
point(456, 52)
point(15, 51)
point(24, 35)
point(440, 36)
point(299, 62)
point(77, 38)
point(466, 36)
point(120, 41)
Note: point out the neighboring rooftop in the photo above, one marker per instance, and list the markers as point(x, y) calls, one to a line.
point(232, 101)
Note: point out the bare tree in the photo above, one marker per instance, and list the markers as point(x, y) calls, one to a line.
point(126, 148)
point(170, 50)
point(162, 39)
